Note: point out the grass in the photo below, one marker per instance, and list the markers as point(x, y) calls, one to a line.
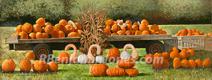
point(81, 71)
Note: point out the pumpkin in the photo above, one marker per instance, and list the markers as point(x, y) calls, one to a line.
point(82, 59)
point(165, 55)
point(113, 53)
point(184, 54)
point(63, 57)
point(143, 27)
point(109, 22)
point(135, 26)
point(132, 72)
point(25, 65)
point(32, 35)
point(41, 21)
point(157, 61)
point(174, 54)
point(129, 24)
point(154, 27)
point(114, 34)
point(23, 35)
point(48, 29)
point(55, 33)
point(8, 66)
point(192, 64)
point(79, 27)
point(98, 69)
point(63, 22)
point(144, 22)
point(184, 32)
point(27, 27)
point(52, 66)
point(37, 28)
point(128, 32)
point(39, 35)
point(69, 28)
point(115, 28)
point(206, 63)
point(115, 72)
point(198, 63)
point(18, 29)
point(191, 51)
point(137, 32)
point(73, 56)
point(149, 58)
point(30, 55)
point(126, 64)
point(166, 63)
point(39, 66)
point(126, 55)
point(145, 32)
point(121, 32)
point(45, 35)
point(176, 63)
point(73, 35)
point(107, 30)
point(61, 34)
point(185, 63)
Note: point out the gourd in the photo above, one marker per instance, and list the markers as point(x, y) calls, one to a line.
point(99, 58)
point(126, 55)
point(74, 55)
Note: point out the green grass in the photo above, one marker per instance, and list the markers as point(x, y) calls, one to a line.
point(81, 71)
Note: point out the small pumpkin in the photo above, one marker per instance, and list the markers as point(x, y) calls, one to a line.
point(165, 55)
point(115, 72)
point(176, 63)
point(113, 53)
point(185, 63)
point(48, 29)
point(98, 69)
point(63, 57)
point(135, 26)
point(191, 51)
point(132, 72)
point(198, 63)
point(25, 65)
point(63, 22)
point(18, 29)
point(37, 28)
point(69, 28)
point(41, 21)
point(30, 55)
point(39, 35)
point(206, 63)
point(32, 35)
point(109, 22)
point(174, 54)
point(61, 34)
point(73, 35)
point(45, 35)
point(184, 54)
point(154, 27)
point(52, 66)
point(39, 66)
point(115, 28)
point(145, 32)
point(126, 64)
point(8, 66)
point(129, 24)
point(27, 27)
point(23, 35)
point(192, 64)
point(55, 33)
point(137, 32)
point(144, 22)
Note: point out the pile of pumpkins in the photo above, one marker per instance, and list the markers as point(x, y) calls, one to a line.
point(125, 64)
point(176, 59)
point(25, 65)
point(119, 27)
point(42, 29)
point(189, 32)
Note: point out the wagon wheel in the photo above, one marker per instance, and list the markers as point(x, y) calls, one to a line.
point(40, 49)
point(154, 46)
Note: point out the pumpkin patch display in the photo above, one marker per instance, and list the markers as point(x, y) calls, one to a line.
point(98, 69)
point(8, 66)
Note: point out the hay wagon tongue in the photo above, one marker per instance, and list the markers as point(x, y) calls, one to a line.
point(152, 43)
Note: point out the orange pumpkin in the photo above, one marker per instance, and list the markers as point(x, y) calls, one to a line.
point(174, 54)
point(132, 72)
point(185, 63)
point(32, 35)
point(115, 72)
point(192, 64)
point(98, 69)
point(48, 29)
point(184, 54)
point(144, 22)
point(135, 26)
point(25, 65)
point(206, 63)
point(137, 32)
point(129, 24)
point(145, 32)
point(198, 63)
point(45, 35)
point(154, 27)
point(41, 21)
point(109, 22)
point(143, 27)
point(149, 58)
point(39, 35)
point(69, 28)
point(63, 22)
point(128, 32)
point(157, 61)
point(191, 51)
point(30, 55)
point(115, 28)
point(8, 66)
point(52, 66)
point(126, 64)
point(120, 32)
point(61, 34)
point(79, 27)
point(39, 66)
point(165, 55)
point(27, 27)
point(37, 28)
point(18, 29)
point(176, 63)
point(23, 35)
point(107, 30)
point(55, 33)
point(113, 53)
point(63, 57)
point(73, 34)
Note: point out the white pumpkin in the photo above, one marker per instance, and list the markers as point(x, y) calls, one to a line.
point(125, 55)
point(100, 59)
point(82, 59)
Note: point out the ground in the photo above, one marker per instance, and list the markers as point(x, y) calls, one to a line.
point(81, 71)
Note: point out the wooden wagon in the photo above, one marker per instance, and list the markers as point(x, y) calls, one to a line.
point(152, 43)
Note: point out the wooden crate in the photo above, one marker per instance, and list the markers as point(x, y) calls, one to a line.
point(208, 43)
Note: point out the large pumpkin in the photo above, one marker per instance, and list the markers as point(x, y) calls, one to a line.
point(39, 66)
point(176, 63)
point(37, 28)
point(8, 66)
point(27, 27)
point(98, 69)
point(206, 63)
point(41, 21)
point(115, 72)
point(52, 66)
point(30, 55)
point(126, 64)
point(25, 65)
point(132, 72)
point(63, 22)
point(23, 35)
point(113, 53)
point(63, 57)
